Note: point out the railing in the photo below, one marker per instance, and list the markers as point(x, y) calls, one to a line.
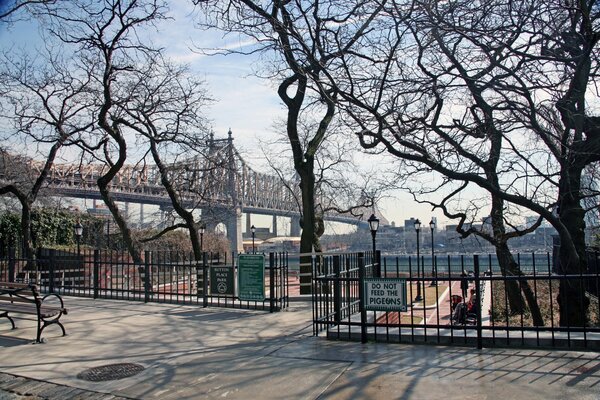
point(165, 277)
point(501, 313)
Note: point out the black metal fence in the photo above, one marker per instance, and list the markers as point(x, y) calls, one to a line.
point(497, 307)
point(164, 277)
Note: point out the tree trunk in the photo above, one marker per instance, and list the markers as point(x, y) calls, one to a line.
point(308, 224)
point(509, 267)
point(507, 264)
point(131, 245)
point(572, 298)
point(26, 228)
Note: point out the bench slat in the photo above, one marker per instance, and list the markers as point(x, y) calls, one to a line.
point(21, 309)
point(29, 298)
point(13, 285)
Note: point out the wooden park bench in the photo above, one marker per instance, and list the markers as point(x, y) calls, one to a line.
point(23, 298)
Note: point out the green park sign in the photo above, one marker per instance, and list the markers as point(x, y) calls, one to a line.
point(221, 281)
point(385, 294)
point(251, 277)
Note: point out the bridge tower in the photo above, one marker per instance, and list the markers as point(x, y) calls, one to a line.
point(233, 219)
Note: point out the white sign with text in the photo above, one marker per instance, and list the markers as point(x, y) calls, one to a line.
point(385, 294)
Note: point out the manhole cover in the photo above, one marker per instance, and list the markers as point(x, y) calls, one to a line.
point(110, 372)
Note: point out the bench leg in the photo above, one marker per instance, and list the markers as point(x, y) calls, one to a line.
point(46, 323)
point(5, 314)
point(39, 331)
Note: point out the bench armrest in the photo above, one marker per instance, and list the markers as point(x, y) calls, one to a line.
point(62, 304)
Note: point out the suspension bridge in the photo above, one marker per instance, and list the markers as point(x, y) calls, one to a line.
point(219, 183)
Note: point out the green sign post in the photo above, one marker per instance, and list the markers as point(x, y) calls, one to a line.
point(221, 281)
point(251, 277)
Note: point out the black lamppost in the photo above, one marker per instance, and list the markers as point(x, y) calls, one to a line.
point(253, 230)
point(78, 232)
point(418, 229)
point(373, 226)
point(433, 266)
point(201, 230)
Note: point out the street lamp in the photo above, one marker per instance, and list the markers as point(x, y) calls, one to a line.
point(201, 230)
point(373, 226)
point(418, 229)
point(433, 266)
point(78, 228)
point(253, 230)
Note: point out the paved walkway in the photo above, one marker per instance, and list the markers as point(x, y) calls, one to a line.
point(188, 352)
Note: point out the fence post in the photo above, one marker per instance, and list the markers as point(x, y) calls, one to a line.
point(478, 298)
point(11, 264)
point(272, 282)
point(198, 268)
point(205, 280)
point(146, 276)
point(285, 282)
point(361, 295)
point(96, 272)
point(336, 289)
point(51, 271)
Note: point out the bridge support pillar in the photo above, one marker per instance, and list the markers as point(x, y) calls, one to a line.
point(234, 230)
point(274, 225)
point(248, 224)
point(294, 226)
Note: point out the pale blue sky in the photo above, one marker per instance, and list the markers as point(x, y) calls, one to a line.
point(246, 104)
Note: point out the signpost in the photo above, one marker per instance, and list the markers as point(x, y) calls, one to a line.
point(251, 277)
point(221, 281)
point(385, 294)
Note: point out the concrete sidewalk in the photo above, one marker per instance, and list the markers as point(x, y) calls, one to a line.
point(188, 352)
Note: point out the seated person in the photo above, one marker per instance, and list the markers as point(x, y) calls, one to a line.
point(472, 304)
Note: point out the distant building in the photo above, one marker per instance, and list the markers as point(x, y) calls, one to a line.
point(409, 223)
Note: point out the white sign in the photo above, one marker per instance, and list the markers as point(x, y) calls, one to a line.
point(385, 294)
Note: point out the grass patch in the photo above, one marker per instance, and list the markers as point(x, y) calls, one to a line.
point(546, 294)
point(427, 292)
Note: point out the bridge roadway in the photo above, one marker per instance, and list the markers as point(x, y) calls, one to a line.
point(162, 200)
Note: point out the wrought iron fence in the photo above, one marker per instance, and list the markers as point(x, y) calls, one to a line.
point(165, 277)
point(456, 300)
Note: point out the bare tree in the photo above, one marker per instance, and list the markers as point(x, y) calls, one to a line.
point(490, 94)
point(342, 186)
point(305, 39)
point(48, 109)
point(167, 112)
point(105, 38)
point(13, 10)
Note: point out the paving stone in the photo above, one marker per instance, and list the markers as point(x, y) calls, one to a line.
point(30, 387)
point(81, 394)
point(57, 392)
point(12, 384)
point(20, 388)
point(86, 395)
